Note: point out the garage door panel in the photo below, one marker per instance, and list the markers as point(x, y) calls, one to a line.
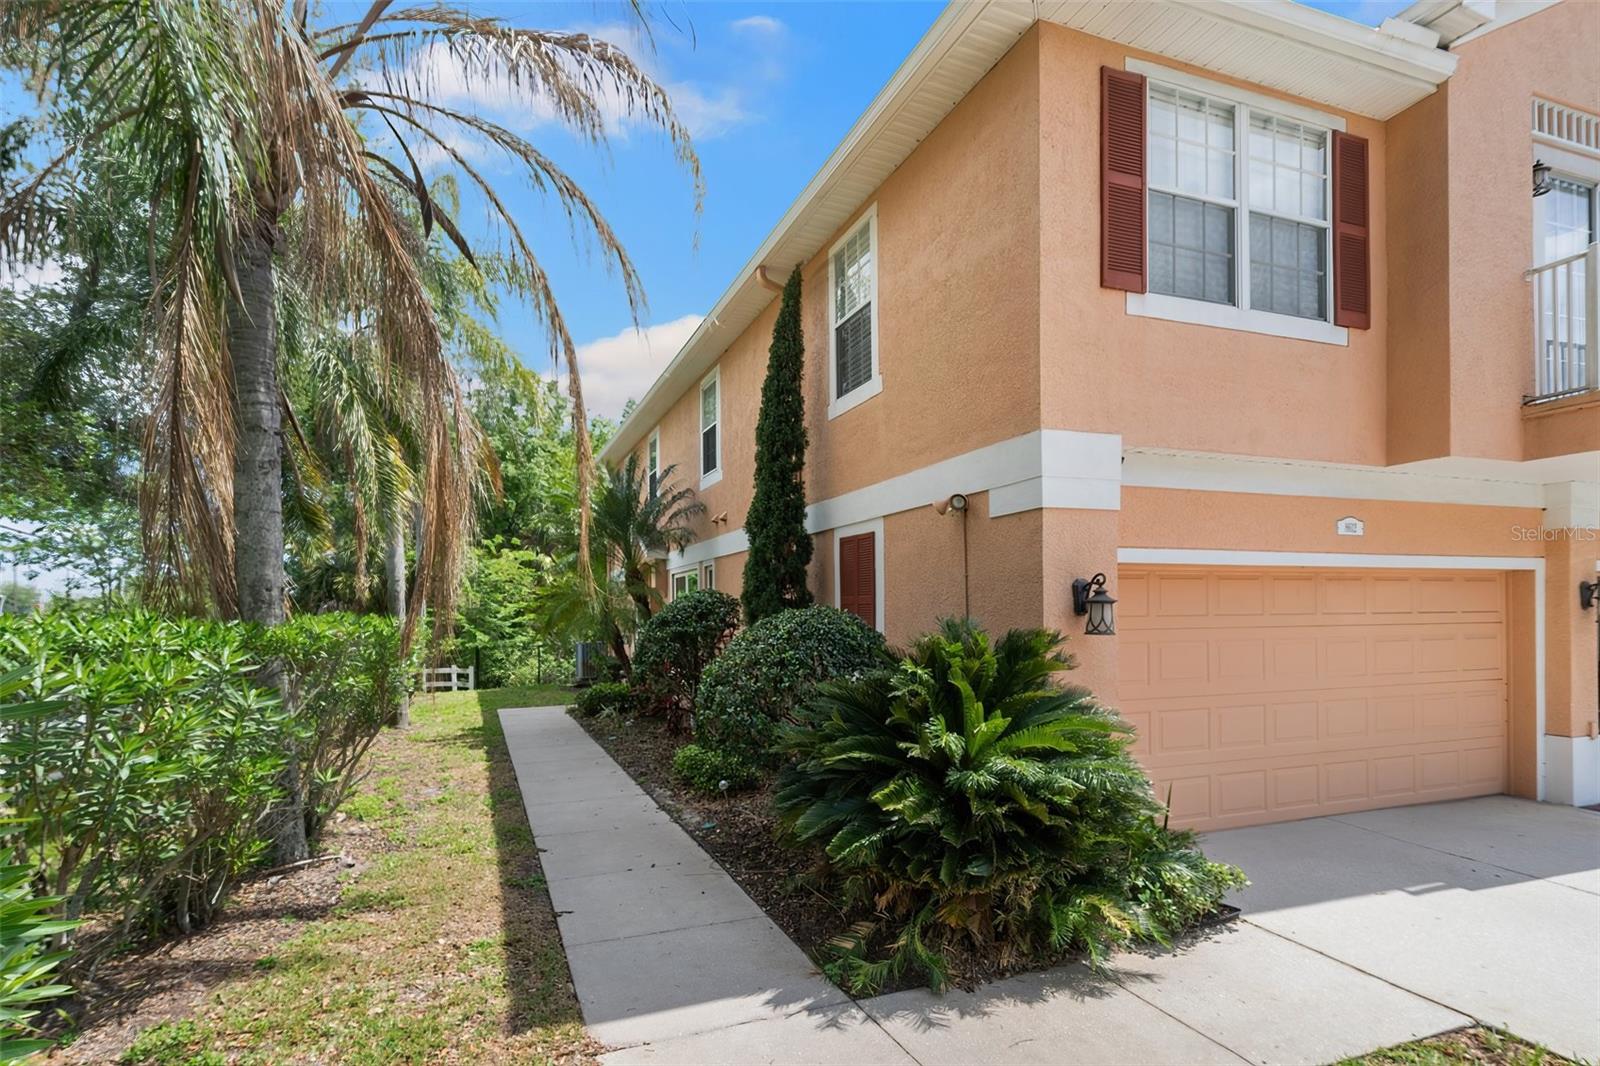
point(1259, 695)
point(1264, 659)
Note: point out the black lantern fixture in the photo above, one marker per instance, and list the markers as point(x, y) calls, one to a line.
point(1089, 597)
point(1541, 178)
point(1587, 590)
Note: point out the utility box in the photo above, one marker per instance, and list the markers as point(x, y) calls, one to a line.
point(590, 654)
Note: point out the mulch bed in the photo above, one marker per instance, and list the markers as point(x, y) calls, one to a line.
point(740, 833)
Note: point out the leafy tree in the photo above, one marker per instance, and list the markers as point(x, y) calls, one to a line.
point(498, 625)
point(237, 115)
point(636, 526)
point(780, 548)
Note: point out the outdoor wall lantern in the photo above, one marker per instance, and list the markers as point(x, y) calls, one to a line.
point(1089, 597)
point(1541, 178)
point(1586, 593)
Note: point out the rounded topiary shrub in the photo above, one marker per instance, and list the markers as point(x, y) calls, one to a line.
point(768, 670)
point(673, 648)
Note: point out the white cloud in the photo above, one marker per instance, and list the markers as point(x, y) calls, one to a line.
point(621, 367)
point(763, 25)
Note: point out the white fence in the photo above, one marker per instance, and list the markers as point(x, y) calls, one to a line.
point(449, 678)
point(1564, 321)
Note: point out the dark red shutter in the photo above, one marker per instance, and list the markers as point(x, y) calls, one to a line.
point(1122, 149)
point(1352, 240)
point(858, 577)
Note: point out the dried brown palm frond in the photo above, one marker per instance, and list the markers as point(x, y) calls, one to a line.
point(245, 114)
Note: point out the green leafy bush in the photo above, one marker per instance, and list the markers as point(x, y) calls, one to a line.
point(769, 669)
point(673, 648)
point(604, 698)
point(27, 966)
point(979, 810)
point(139, 759)
point(714, 772)
point(346, 682)
point(499, 623)
point(142, 759)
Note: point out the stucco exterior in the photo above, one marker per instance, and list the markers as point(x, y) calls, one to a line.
point(1011, 376)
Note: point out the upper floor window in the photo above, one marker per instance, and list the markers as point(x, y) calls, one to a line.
point(653, 462)
point(1569, 210)
point(1206, 198)
point(853, 293)
point(710, 436)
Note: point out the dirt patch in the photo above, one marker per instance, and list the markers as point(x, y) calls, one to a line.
point(1473, 1046)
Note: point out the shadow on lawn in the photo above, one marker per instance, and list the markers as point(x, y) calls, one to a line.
point(536, 966)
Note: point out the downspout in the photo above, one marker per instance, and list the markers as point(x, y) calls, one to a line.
point(766, 280)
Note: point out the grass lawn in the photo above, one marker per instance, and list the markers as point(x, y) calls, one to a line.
point(1474, 1046)
point(443, 947)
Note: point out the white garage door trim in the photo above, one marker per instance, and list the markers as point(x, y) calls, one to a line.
point(1357, 561)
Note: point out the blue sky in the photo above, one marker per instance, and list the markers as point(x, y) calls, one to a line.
point(769, 90)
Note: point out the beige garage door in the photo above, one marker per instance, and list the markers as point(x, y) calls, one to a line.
point(1263, 695)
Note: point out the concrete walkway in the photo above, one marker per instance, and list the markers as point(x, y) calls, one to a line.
point(673, 963)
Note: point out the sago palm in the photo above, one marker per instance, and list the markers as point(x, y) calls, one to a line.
point(971, 803)
point(243, 112)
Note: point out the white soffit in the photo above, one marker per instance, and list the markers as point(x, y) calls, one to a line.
point(1276, 43)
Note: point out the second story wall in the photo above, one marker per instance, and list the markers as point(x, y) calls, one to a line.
point(957, 308)
point(1462, 223)
point(1172, 384)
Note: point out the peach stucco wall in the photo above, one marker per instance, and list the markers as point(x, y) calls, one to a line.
point(1172, 384)
point(1461, 316)
point(957, 309)
point(1563, 427)
point(1572, 637)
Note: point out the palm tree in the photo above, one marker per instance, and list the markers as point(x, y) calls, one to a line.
point(637, 526)
point(250, 118)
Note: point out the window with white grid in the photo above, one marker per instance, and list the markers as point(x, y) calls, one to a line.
point(1224, 173)
point(851, 269)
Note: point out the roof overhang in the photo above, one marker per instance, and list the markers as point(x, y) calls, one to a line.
point(1276, 43)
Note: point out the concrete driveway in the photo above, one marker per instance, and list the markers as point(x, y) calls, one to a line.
point(1489, 907)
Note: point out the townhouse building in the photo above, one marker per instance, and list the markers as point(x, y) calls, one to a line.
point(1283, 324)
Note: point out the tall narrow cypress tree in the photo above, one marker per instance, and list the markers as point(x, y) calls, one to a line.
point(780, 548)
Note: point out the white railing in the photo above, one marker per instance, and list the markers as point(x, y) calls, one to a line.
point(1566, 126)
point(1564, 343)
point(449, 678)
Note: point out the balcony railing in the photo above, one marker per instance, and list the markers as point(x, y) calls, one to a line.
point(1565, 349)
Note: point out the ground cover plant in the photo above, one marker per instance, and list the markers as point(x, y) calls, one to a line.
point(711, 772)
point(976, 808)
point(675, 645)
point(1476, 1045)
point(753, 688)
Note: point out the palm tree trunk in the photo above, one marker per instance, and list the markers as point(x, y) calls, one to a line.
point(258, 489)
point(394, 577)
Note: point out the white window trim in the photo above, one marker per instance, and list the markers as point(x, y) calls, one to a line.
point(1563, 164)
point(714, 475)
point(1239, 315)
point(682, 571)
point(875, 527)
point(653, 447)
point(708, 574)
point(838, 405)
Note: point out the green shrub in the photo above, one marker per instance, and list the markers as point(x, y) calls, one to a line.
point(142, 760)
point(675, 645)
point(977, 808)
point(346, 682)
point(769, 669)
point(27, 966)
point(139, 759)
point(604, 698)
point(714, 772)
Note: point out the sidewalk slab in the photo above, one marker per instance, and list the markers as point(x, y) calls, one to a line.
point(661, 943)
point(1062, 1017)
point(828, 1036)
point(1323, 1011)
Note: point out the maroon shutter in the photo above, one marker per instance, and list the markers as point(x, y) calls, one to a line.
point(1122, 148)
point(858, 578)
point(1352, 241)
